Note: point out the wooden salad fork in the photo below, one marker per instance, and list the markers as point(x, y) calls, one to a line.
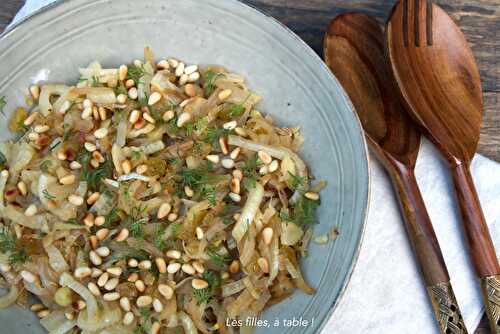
point(354, 51)
point(439, 80)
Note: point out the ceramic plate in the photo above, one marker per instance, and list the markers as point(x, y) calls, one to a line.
point(296, 86)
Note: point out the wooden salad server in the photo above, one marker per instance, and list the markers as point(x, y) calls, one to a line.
point(439, 80)
point(354, 51)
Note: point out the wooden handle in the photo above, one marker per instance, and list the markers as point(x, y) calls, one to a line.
point(419, 227)
point(478, 237)
point(427, 251)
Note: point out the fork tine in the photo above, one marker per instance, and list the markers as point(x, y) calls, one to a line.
point(405, 23)
point(428, 21)
point(416, 22)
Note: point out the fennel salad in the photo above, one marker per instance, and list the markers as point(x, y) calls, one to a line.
point(151, 198)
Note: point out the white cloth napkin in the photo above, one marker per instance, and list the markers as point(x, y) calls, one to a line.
point(386, 294)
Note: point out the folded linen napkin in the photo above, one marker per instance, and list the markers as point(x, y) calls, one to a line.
point(386, 293)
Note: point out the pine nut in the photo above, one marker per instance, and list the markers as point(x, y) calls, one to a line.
point(31, 118)
point(193, 77)
point(75, 200)
point(145, 265)
point(103, 279)
point(157, 305)
point(101, 133)
point(102, 113)
point(126, 166)
point(95, 258)
point(263, 265)
point(96, 272)
point(111, 296)
point(94, 289)
point(35, 91)
point(154, 98)
point(125, 304)
point(102, 234)
point(129, 83)
point(133, 93)
point(180, 69)
point(189, 192)
point(128, 318)
point(122, 72)
point(173, 62)
point(166, 291)
point(87, 104)
point(223, 145)
point(172, 217)
point(161, 265)
point(223, 95)
point(98, 156)
point(69, 315)
point(199, 284)
point(37, 307)
point(43, 313)
point(147, 116)
point(184, 103)
point(103, 251)
point(144, 301)
point(312, 196)
point(121, 98)
point(86, 113)
point(82, 272)
point(188, 269)
point(33, 136)
point(273, 166)
point(139, 285)
point(133, 263)
point(5, 268)
point(191, 69)
point(235, 153)
point(28, 276)
point(68, 179)
point(164, 210)
point(93, 198)
point(230, 125)
point(93, 241)
point(235, 197)
point(155, 327)
point(224, 275)
point(264, 157)
point(123, 235)
point(31, 210)
point(267, 235)
point(174, 254)
point(111, 284)
point(75, 165)
point(183, 119)
point(168, 115)
point(94, 163)
point(172, 268)
point(115, 271)
point(134, 116)
point(65, 107)
point(133, 277)
point(213, 158)
point(241, 132)
point(198, 267)
point(90, 147)
point(41, 128)
point(234, 267)
point(162, 65)
point(190, 90)
point(235, 185)
point(80, 304)
point(264, 170)
point(199, 233)
point(227, 163)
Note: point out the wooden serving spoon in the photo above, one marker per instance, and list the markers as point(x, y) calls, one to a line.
point(439, 79)
point(354, 51)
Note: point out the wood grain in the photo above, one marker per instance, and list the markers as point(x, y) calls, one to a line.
point(479, 19)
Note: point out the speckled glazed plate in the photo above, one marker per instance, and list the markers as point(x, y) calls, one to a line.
point(296, 86)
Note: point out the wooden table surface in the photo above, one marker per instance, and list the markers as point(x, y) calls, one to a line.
point(479, 20)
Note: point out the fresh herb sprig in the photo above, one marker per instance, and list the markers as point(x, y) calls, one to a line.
point(8, 244)
point(135, 73)
point(203, 296)
point(212, 136)
point(250, 171)
point(210, 77)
